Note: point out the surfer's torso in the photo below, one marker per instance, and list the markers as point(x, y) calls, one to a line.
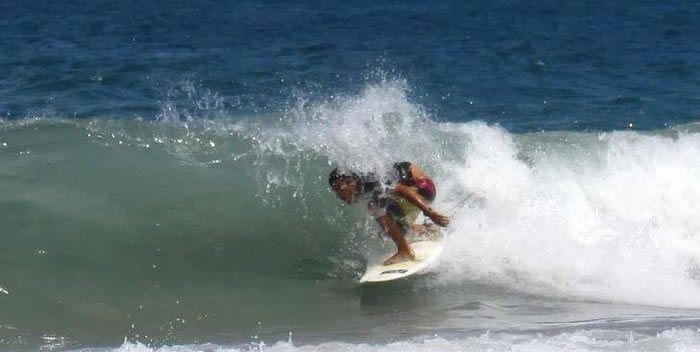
point(381, 198)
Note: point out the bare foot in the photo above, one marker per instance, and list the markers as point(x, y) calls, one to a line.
point(400, 257)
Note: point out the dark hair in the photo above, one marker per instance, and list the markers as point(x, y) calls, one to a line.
point(336, 176)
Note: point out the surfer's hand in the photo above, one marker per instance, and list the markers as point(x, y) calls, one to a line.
point(440, 219)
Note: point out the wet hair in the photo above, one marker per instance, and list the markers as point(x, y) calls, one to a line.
point(365, 182)
point(336, 176)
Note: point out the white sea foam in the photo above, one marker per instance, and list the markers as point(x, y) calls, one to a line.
point(608, 216)
point(584, 340)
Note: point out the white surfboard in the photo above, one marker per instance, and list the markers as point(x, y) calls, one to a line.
point(427, 246)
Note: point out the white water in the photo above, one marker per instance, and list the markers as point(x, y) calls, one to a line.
point(614, 220)
point(583, 340)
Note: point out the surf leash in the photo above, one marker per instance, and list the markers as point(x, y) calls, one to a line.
point(459, 205)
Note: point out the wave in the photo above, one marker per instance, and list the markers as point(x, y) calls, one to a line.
point(608, 216)
point(599, 215)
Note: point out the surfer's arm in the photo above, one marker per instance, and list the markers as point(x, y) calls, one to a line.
point(409, 193)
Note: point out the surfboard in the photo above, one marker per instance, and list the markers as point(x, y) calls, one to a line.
point(427, 246)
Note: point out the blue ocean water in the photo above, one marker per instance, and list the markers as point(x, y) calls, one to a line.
point(163, 174)
point(527, 66)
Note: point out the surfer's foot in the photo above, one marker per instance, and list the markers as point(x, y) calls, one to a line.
point(400, 257)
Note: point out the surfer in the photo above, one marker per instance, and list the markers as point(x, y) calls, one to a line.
point(395, 201)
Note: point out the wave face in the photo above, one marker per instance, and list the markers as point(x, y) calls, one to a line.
point(173, 231)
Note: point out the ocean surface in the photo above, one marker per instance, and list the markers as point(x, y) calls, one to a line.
point(163, 174)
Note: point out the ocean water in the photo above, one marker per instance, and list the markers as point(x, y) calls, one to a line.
point(163, 174)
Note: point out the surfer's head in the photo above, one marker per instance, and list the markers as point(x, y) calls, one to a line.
point(346, 186)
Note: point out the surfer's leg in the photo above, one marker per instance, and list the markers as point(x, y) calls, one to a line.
point(395, 231)
point(391, 219)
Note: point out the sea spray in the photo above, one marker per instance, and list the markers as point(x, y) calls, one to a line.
point(614, 221)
